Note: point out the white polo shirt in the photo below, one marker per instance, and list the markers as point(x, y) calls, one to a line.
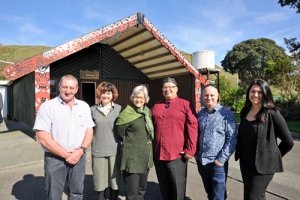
point(67, 127)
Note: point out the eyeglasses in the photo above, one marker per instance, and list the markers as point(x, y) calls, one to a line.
point(138, 98)
point(170, 87)
point(168, 105)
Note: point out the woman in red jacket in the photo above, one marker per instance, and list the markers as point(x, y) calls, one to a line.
point(260, 155)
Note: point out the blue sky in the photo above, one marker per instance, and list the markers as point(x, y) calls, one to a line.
point(195, 25)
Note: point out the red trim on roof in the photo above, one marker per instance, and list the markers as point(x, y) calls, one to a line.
point(103, 35)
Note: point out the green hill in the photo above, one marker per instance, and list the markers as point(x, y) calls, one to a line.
point(15, 53)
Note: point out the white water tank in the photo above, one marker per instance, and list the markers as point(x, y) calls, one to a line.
point(204, 59)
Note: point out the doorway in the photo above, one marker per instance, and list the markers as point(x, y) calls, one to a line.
point(88, 92)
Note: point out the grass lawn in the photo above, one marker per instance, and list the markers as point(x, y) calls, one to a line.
point(237, 117)
point(293, 125)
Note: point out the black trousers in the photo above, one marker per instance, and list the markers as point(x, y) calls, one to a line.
point(172, 176)
point(135, 185)
point(255, 184)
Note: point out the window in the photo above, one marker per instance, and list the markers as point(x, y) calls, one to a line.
point(53, 88)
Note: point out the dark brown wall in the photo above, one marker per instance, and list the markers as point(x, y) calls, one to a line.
point(115, 67)
point(23, 102)
point(10, 108)
point(88, 58)
point(99, 57)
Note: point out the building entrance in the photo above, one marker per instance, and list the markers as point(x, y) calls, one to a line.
point(88, 92)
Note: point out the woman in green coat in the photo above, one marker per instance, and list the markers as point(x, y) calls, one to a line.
point(135, 131)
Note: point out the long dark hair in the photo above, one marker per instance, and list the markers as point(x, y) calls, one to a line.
point(267, 99)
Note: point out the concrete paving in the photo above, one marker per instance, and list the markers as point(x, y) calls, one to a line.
point(22, 175)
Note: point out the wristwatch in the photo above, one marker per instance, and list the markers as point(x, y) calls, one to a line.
point(83, 149)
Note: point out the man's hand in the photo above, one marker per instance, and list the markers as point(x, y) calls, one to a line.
point(186, 155)
point(76, 154)
point(219, 163)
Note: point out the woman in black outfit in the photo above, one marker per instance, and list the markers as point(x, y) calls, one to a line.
point(260, 155)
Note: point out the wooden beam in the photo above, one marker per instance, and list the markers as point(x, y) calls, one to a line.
point(130, 37)
point(152, 58)
point(137, 45)
point(145, 52)
point(158, 64)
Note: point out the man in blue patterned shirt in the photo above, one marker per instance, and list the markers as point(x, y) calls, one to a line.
point(217, 141)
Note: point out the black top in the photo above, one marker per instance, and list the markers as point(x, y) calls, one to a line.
point(268, 157)
point(248, 139)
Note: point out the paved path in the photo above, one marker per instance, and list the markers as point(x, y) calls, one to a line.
point(21, 172)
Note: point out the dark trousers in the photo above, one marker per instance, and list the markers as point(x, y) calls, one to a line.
point(172, 177)
point(58, 171)
point(135, 185)
point(214, 179)
point(255, 184)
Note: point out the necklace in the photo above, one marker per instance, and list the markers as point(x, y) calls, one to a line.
point(105, 109)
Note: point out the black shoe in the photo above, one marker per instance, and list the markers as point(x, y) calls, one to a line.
point(114, 194)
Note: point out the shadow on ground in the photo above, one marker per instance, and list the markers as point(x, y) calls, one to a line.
point(33, 188)
point(30, 188)
point(13, 125)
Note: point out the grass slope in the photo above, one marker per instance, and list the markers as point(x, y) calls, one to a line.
point(15, 53)
point(293, 125)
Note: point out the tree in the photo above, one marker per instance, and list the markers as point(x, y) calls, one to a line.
point(292, 44)
point(225, 90)
point(230, 96)
point(294, 47)
point(250, 57)
point(286, 77)
point(292, 3)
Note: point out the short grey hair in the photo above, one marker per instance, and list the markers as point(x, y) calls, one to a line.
point(68, 77)
point(137, 90)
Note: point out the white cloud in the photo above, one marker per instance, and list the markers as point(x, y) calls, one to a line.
point(101, 13)
point(29, 28)
point(25, 25)
point(79, 28)
point(272, 18)
point(93, 13)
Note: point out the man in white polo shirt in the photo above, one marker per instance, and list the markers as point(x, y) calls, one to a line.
point(64, 128)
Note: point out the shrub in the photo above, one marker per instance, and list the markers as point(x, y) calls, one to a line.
point(237, 107)
point(290, 109)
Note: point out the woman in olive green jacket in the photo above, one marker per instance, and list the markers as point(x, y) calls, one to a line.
point(135, 131)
